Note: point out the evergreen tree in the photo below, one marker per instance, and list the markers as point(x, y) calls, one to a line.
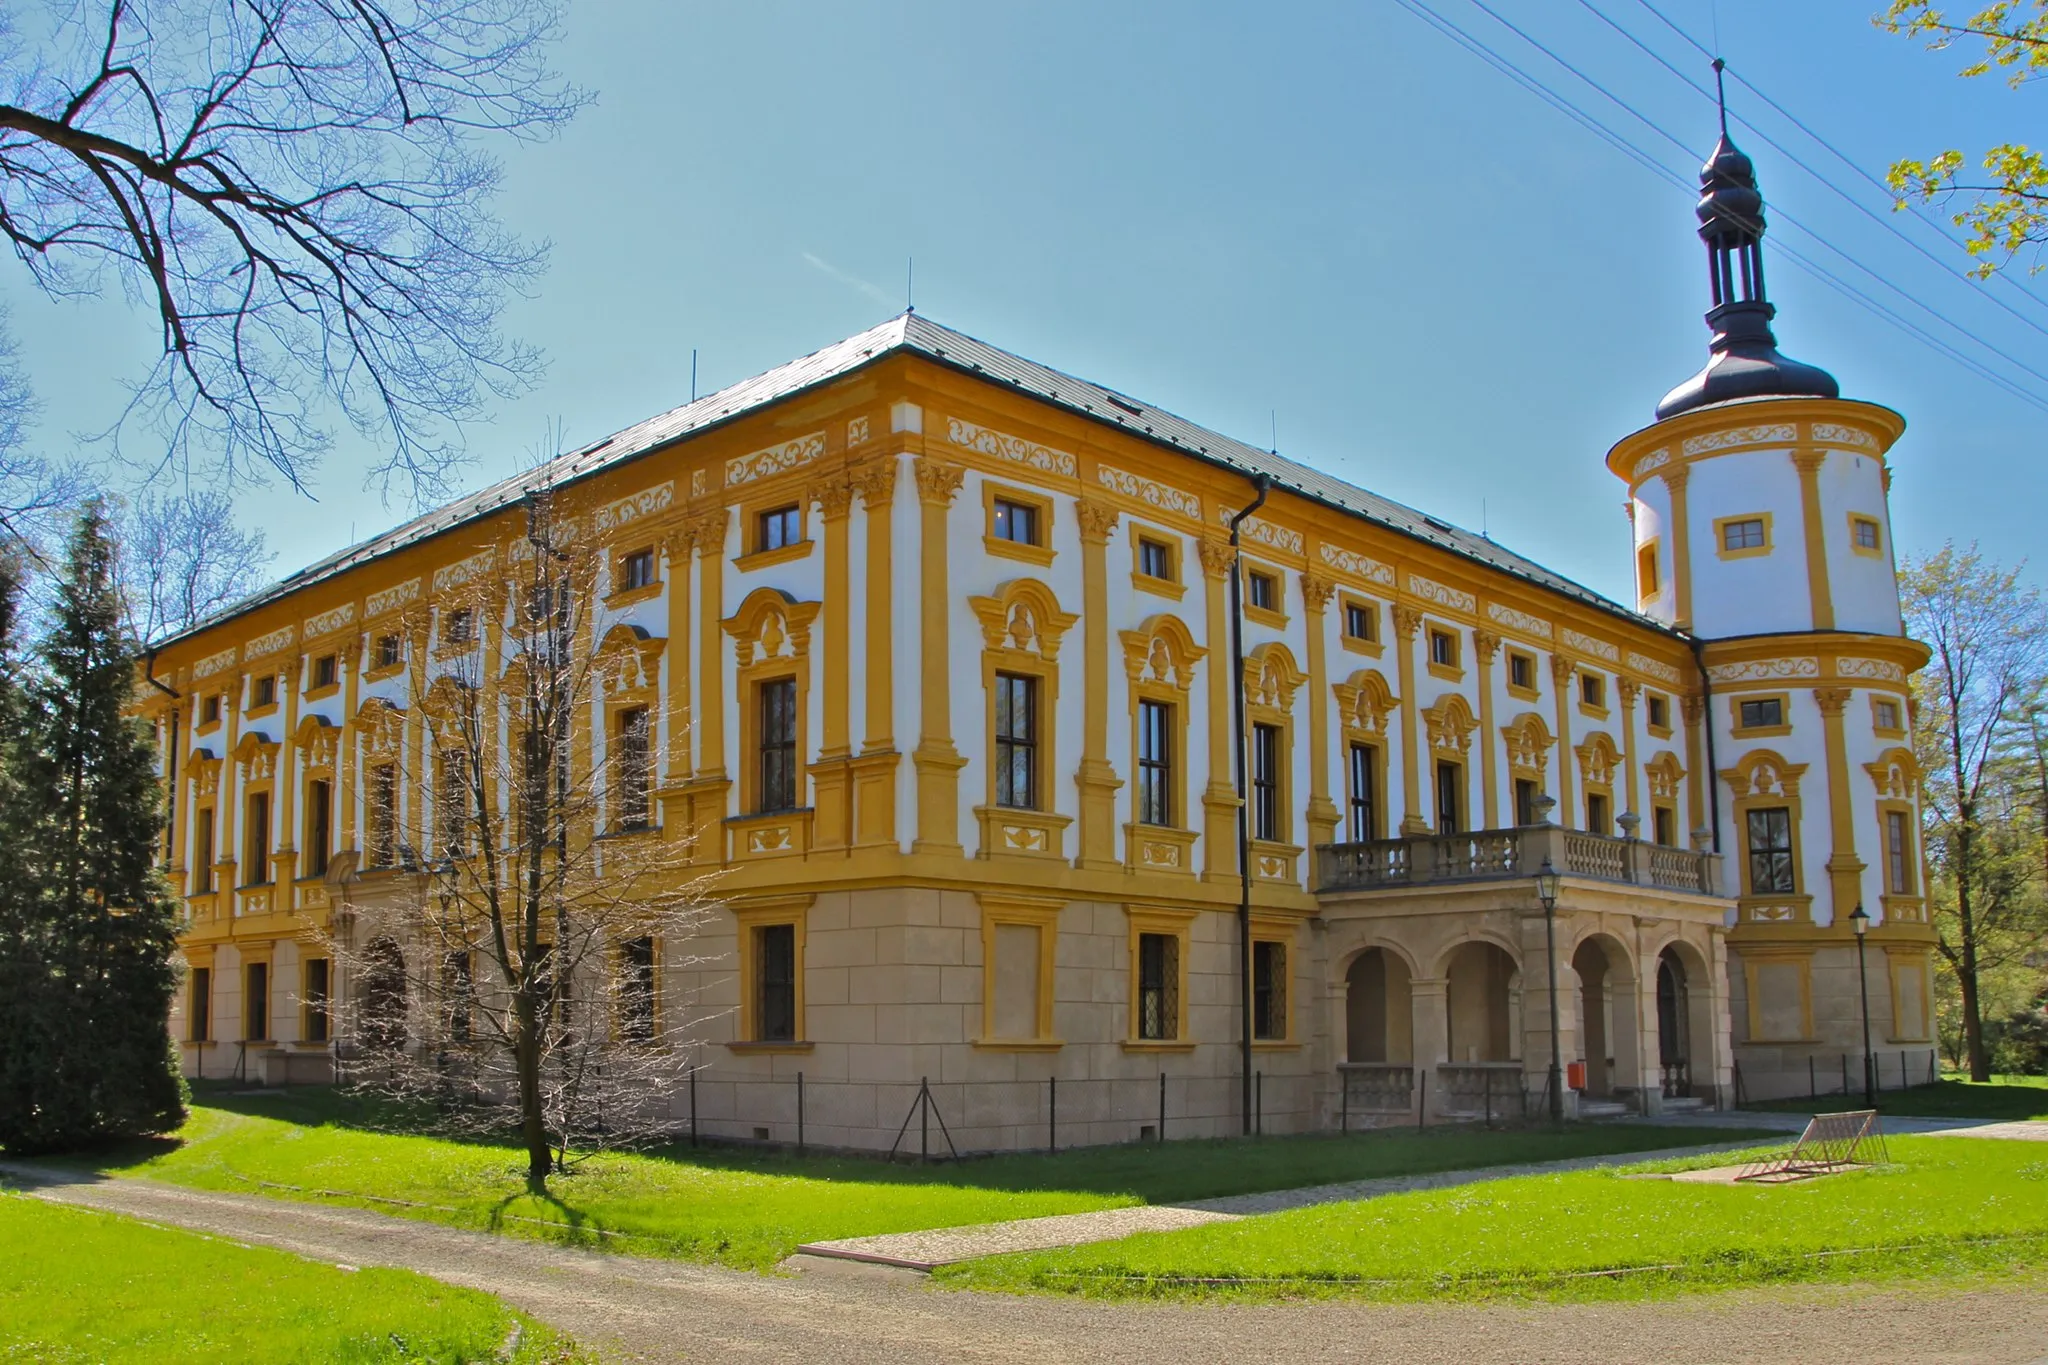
point(89, 1055)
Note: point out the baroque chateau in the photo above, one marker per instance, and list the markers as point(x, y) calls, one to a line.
point(942, 660)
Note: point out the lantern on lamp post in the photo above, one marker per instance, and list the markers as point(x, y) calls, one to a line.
point(1547, 882)
point(1859, 920)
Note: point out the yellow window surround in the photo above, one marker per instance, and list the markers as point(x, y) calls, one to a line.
point(1168, 584)
point(1721, 535)
point(1041, 915)
point(1762, 730)
point(1354, 607)
point(1275, 616)
point(1873, 529)
point(750, 917)
point(1177, 925)
point(1267, 929)
point(1444, 652)
point(1523, 691)
point(1038, 550)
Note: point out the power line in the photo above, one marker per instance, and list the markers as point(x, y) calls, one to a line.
point(1507, 66)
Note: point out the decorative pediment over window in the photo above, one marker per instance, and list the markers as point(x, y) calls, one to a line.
point(1162, 651)
point(1597, 758)
point(449, 700)
point(1764, 772)
point(258, 756)
point(769, 625)
point(1363, 702)
point(1665, 775)
point(316, 739)
point(1528, 740)
point(1271, 677)
point(380, 724)
point(1450, 723)
point(204, 767)
point(629, 659)
point(1024, 615)
point(1896, 773)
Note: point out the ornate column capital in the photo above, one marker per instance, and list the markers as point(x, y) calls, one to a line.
point(1808, 462)
point(1486, 644)
point(704, 532)
point(834, 497)
point(937, 481)
point(1832, 700)
point(875, 481)
point(1562, 668)
point(1676, 476)
point(1217, 556)
point(1096, 519)
point(1407, 621)
point(1629, 691)
point(1316, 592)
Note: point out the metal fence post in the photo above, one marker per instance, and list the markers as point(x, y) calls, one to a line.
point(799, 1112)
point(1422, 1096)
point(1812, 1083)
point(1162, 1106)
point(1258, 1103)
point(1343, 1100)
point(924, 1121)
point(693, 1106)
point(1845, 1073)
point(1052, 1113)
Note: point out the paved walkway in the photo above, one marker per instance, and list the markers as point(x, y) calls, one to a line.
point(664, 1311)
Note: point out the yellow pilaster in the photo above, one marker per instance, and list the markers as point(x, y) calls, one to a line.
point(710, 785)
point(1485, 648)
point(1629, 692)
point(681, 723)
point(1675, 477)
point(1219, 796)
point(1808, 463)
point(1695, 711)
point(875, 771)
point(831, 782)
point(937, 761)
point(1415, 817)
point(1097, 779)
point(1323, 815)
point(1561, 672)
point(345, 757)
point(285, 791)
point(1845, 869)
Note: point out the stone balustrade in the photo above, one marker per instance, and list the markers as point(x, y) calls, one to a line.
point(1509, 854)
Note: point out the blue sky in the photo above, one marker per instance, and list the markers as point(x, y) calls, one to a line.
point(1326, 218)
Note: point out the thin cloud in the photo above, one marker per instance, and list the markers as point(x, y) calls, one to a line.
point(873, 291)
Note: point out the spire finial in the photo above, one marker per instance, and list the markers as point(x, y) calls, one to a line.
point(1721, 94)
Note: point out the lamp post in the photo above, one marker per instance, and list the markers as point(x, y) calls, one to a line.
point(1547, 880)
point(1860, 922)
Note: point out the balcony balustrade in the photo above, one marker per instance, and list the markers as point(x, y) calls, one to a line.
point(1510, 854)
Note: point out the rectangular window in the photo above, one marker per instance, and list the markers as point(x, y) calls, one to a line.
point(384, 815)
point(1659, 712)
point(778, 528)
point(1262, 590)
point(256, 1002)
point(202, 851)
point(1765, 712)
point(1016, 741)
point(1365, 792)
point(778, 745)
point(1358, 622)
point(636, 990)
point(1522, 671)
point(1865, 532)
point(1664, 825)
point(458, 995)
point(326, 669)
point(1593, 690)
point(1155, 763)
point(451, 804)
point(313, 999)
point(1158, 987)
point(637, 570)
point(1897, 854)
point(1016, 522)
point(1599, 817)
point(1443, 649)
point(1770, 852)
point(209, 710)
point(1450, 782)
point(1266, 760)
point(1646, 571)
point(200, 1009)
point(262, 692)
point(1155, 558)
point(388, 652)
point(1886, 714)
point(1525, 801)
point(1744, 534)
point(257, 836)
point(460, 627)
point(635, 767)
point(1269, 990)
point(319, 826)
point(775, 983)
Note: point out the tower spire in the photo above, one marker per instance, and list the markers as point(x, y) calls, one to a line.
point(1743, 360)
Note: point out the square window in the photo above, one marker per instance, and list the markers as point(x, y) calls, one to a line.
point(1660, 712)
point(1766, 711)
point(1521, 670)
point(1262, 590)
point(460, 627)
point(388, 652)
point(1016, 522)
point(1593, 690)
point(263, 691)
point(779, 528)
point(326, 670)
point(1443, 648)
point(637, 571)
point(1359, 622)
point(1155, 559)
point(1865, 531)
point(1746, 533)
point(1886, 713)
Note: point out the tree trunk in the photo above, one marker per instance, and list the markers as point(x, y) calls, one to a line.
point(1973, 1024)
point(526, 1053)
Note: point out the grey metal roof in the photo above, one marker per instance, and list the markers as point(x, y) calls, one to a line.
point(917, 333)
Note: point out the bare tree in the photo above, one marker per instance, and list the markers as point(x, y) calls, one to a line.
point(294, 189)
point(184, 558)
point(35, 493)
point(517, 979)
point(1988, 634)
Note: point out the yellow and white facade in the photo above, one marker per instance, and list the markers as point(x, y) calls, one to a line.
point(993, 601)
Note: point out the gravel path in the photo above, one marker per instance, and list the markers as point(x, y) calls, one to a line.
point(660, 1311)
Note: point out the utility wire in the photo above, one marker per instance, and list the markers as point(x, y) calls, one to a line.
point(1844, 158)
point(1506, 66)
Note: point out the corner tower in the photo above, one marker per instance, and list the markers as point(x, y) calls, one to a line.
point(1762, 529)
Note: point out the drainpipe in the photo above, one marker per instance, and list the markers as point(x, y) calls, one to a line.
point(1260, 485)
point(1699, 658)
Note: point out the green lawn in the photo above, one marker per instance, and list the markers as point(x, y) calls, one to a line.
point(751, 1208)
point(2007, 1097)
point(78, 1287)
point(1946, 1207)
